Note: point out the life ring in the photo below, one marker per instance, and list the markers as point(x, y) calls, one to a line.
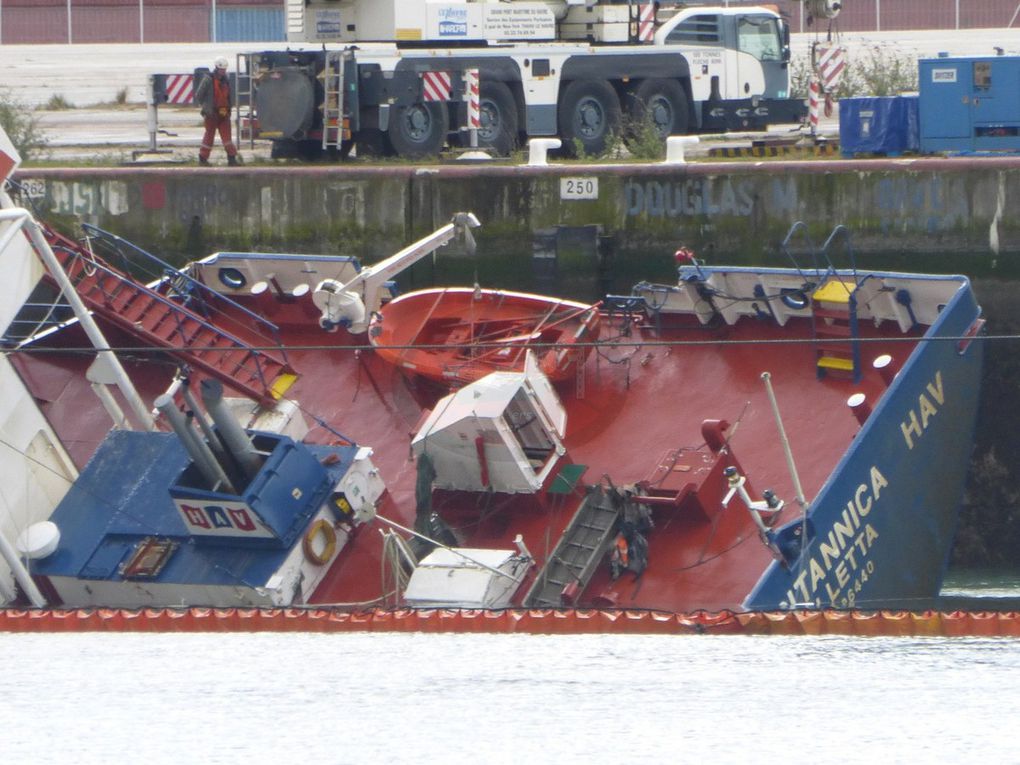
point(325, 529)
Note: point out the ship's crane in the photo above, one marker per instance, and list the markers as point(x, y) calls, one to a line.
point(352, 304)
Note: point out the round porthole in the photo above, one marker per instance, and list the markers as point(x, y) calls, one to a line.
point(794, 299)
point(232, 278)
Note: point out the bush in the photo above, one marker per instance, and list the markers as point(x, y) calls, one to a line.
point(57, 103)
point(21, 125)
point(876, 71)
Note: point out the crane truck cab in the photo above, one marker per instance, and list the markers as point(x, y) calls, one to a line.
point(389, 75)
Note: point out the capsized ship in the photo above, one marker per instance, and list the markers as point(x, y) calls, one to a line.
point(743, 438)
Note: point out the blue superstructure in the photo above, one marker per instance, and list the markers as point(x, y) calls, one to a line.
point(123, 498)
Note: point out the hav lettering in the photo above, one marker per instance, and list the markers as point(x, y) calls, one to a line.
point(928, 404)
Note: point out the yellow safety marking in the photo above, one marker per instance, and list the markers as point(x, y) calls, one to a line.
point(281, 385)
point(833, 291)
point(834, 362)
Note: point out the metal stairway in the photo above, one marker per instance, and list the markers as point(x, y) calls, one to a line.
point(837, 340)
point(578, 553)
point(158, 320)
point(834, 296)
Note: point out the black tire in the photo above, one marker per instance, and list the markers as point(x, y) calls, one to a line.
point(372, 142)
point(419, 130)
point(498, 117)
point(661, 105)
point(284, 148)
point(588, 113)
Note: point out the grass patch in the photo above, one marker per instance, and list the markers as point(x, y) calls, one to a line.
point(57, 103)
point(21, 126)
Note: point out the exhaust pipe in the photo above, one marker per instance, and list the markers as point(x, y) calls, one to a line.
point(200, 453)
point(235, 440)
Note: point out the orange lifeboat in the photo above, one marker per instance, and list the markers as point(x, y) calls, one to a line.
point(459, 335)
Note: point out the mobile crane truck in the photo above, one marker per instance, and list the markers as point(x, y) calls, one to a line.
point(388, 75)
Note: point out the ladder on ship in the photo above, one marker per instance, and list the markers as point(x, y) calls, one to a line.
point(578, 553)
point(834, 299)
point(163, 322)
point(837, 340)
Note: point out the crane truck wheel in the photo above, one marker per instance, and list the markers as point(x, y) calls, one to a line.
point(659, 106)
point(588, 114)
point(499, 123)
point(419, 130)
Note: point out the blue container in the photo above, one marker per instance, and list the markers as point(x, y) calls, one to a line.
point(879, 125)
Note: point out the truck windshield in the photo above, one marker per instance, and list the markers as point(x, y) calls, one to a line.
point(759, 36)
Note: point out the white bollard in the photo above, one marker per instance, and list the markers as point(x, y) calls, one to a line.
point(538, 148)
point(676, 145)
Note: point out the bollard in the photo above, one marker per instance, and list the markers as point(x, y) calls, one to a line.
point(676, 146)
point(859, 406)
point(538, 148)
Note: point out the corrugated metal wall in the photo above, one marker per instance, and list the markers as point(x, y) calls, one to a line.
point(244, 24)
point(890, 15)
point(45, 21)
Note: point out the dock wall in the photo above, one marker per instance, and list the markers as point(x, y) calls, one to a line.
point(923, 214)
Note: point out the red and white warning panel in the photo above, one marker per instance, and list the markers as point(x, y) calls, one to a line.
point(437, 86)
point(179, 88)
point(646, 22)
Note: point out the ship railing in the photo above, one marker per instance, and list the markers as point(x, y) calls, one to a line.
point(173, 309)
point(137, 262)
point(821, 257)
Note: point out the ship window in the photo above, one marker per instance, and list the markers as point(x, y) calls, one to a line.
point(529, 430)
point(759, 36)
point(702, 29)
point(149, 558)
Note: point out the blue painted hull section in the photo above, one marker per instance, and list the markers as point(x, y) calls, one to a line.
point(881, 528)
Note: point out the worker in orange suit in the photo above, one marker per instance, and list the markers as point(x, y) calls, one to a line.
point(213, 96)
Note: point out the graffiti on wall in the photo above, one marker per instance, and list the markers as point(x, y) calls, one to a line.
point(709, 196)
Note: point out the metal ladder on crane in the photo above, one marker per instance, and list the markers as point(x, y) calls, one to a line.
point(578, 553)
point(333, 102)
point(247, 123)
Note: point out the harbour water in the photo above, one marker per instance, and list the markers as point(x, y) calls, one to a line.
point(368, 698)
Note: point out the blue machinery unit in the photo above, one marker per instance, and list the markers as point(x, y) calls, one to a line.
point(970, 104)
point(878, 125)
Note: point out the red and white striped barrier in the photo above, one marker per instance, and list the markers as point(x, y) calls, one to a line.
point(474, 112)
point(814, 91)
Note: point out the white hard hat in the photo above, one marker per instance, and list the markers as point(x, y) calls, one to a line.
point(221, 62)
